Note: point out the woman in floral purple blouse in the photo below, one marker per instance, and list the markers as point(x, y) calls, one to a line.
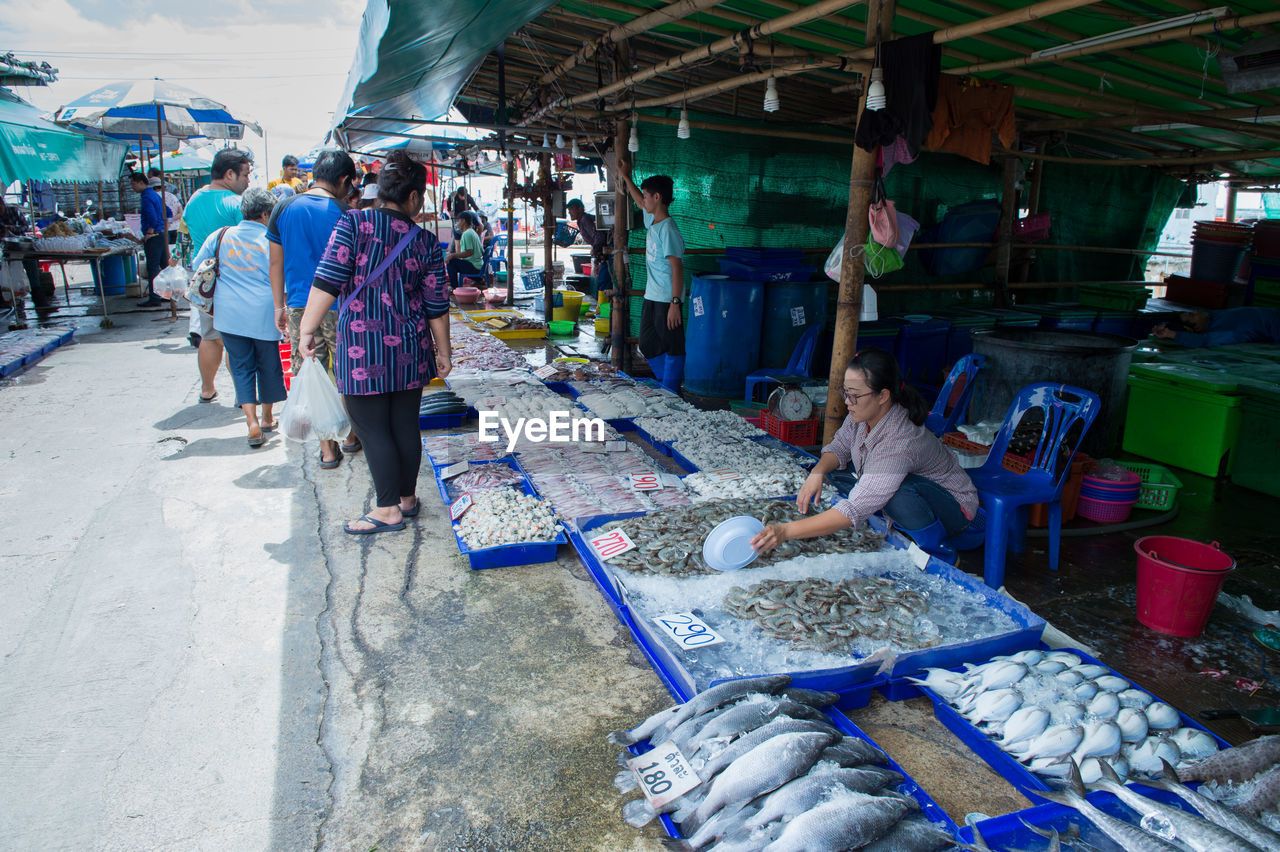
point(393, 332)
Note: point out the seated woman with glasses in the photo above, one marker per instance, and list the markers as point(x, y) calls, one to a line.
point(901, 466)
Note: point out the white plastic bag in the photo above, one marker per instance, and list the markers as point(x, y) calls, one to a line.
point(170, 282)
point(870, 309)
point(314, 408)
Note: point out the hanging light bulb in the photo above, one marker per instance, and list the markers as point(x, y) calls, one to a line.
point(682, 129)
point(875, 90)
point(559, 140)
point(771, 95)
point(633, 144)
point(576, 153)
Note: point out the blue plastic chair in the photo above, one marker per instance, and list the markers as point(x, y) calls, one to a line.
point(963, 372)
point(485, 273)
point(801, 357)
point(1006, 494)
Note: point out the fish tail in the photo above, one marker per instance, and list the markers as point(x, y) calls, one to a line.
point(623, 757)
point(1168, 774)
point(625, 781)
point(638, 813)
point(1066, 798)
point(621, 738)
point(680, 845)
point(1109, 774)
point(1077, 784)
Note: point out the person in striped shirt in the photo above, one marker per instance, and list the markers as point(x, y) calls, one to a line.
point(902, 467)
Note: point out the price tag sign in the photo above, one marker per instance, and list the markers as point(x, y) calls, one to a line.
point(546, 370)
point(454, 469)
point(611, 544)
point(460, 506)
point(724, 474)
point(688, 631)
point(645, 481)
point(664, 774)
point(698, 308)
point(496, 323)
point(797, 316)
point(670, 480)
point(616, 446)
point(593, 447)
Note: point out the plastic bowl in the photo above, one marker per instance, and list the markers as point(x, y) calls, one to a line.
point(728, 546)
point(917, 317)
point(561, 327)
point(466, 295)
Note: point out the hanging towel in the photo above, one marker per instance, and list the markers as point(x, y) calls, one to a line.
point(967, 113)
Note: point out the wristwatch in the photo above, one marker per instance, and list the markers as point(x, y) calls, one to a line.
point(676, 300)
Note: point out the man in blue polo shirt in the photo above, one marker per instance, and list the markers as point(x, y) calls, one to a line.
point(298, 232)
point(154, 244)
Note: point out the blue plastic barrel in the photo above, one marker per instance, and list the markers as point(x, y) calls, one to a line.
point(789, 310)
point(112, 283)
point(722, 343)
point(130, 268)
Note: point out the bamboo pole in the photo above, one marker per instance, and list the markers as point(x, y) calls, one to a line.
point(1207, 157)
point(664, 15)
point(620, 318)
point(1004, 246)
point(726, 85)
point(809, 13)
point(755, 131)
point(548, 230)
point(856, 226)
point(511, 229)
point(692, 26)
point(1144, 117)
point(1236, 22)
point(1093, 103)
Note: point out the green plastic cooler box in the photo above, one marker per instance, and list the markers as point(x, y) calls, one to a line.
point(1258, 450)
point(1183, 416)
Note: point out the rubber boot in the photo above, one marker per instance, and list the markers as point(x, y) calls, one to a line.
point(673, 374)
point(658, 363)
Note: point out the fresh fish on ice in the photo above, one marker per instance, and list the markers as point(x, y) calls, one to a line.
point(1244, 826)
point(1235, 764)
point(1130, 837)
point(1161, 716)
point(712, 698)
point(1193, 743)
point(1024, 724)
point(847, 821)
point(1133, 725)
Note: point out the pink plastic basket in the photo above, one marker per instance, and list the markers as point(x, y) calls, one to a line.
point(1104, 511)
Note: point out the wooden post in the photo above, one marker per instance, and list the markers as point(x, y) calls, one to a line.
point(1004, 243)
point(99, 201)
point(548, 229)
point(1033, 206)
point(856, 227)
point(620, 319)
point(75, 187)
point(511, 228)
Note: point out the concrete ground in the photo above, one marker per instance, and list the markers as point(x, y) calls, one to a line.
point(193, 655)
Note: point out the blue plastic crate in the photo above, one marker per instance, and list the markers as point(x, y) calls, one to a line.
point(562, 388)
point(1010, 832)
point(928, 807)
point(578, 535)
point(765, 256)
point(11, 367)
point(688, 466)
point(746, 272)
point(510, 460)
point(1114, 322)
point(440, 421)
point(1023, 779)
point(803, 458)
point(661, 446)
point(922, 351)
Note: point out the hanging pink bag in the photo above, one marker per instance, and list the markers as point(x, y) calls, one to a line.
point(884, 217)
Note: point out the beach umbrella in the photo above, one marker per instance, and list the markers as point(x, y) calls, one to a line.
point(155, 113)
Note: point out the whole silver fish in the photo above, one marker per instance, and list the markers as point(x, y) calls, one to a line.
point(914, 834)
point(1247, 827)
point(1196, 832)
point(1026, 723)
point(796, 797)
point(848, 821)
point(852, 751)
point(1235, 764)
point(717, 696)
point(1130, 837)
point(716, 763)
point(743, 718)
point(766, 767)
point(1058, 741)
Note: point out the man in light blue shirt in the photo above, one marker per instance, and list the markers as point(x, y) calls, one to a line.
point(661, 317)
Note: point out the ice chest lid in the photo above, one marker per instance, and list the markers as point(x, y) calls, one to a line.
point(1191, 378)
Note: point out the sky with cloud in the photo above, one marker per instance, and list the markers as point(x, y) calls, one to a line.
point(282, 63)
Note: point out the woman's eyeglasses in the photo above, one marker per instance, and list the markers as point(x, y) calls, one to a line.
point(852, 398)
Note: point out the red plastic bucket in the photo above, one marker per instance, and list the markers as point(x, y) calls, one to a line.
point(1178, 583)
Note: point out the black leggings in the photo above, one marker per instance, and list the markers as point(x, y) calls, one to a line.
point(387, 426)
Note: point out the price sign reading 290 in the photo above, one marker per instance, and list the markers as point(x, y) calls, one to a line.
point(688, 631)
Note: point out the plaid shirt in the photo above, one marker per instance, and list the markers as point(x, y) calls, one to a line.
point(883, 458)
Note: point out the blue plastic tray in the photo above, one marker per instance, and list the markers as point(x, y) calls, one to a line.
point(842, 723)
point(510, 460)
point(561, 388)
point(1008, 831)
point(440, 421)
point(661, 446)
point(1026, 782)
point(505, 555)
point(603, 579)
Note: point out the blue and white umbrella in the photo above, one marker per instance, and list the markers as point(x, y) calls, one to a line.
point(153, 113)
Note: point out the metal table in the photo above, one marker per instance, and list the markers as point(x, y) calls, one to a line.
point(62, 258)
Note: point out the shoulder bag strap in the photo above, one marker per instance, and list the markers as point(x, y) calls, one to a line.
point(382, 267)
point(217, 266)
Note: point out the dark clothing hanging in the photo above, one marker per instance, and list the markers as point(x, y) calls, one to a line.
point(911, 69)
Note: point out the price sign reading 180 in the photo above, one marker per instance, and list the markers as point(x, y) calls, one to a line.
point(664, 774)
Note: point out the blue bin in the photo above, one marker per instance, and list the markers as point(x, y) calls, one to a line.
point(1010, 318)
point(722, 345)
point(1114, 322)
point(753, 272)
point(922, 351)
point(789, 310)
point(881, 334)
point(112, 280)
point(959, 339)
point(130, 269)
point(1065, 316)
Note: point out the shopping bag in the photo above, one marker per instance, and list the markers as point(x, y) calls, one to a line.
point(881, 260)
point(314, 407)
point(883, 216)
point(170, 282)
